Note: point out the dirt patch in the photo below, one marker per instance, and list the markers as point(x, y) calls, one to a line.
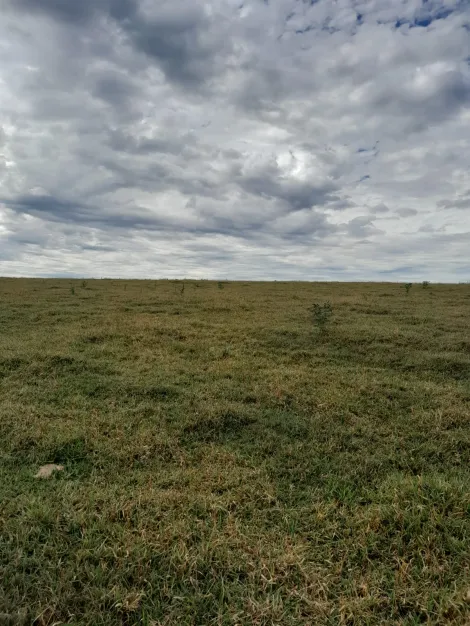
point(47, 470)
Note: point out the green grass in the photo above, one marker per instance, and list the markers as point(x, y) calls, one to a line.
point(226, 462)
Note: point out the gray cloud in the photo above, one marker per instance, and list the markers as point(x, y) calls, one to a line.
point(361, 227)
point(438, 96)
point(379, 209)
point(174, 38)
point(66, 211)
point(76, 13)
point(296, 194)
point(114, 88)
point(234, 139)
point(407, 212)
point(460, 202)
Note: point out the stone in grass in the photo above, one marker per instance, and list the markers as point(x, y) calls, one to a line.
point(46, 471)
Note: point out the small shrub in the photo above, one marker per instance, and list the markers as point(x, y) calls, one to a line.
point(84, 284)
point(227, 352)
point(220, 285)
point(322, 314)
point(425, 284)
point(408, 287)
point(72, 290)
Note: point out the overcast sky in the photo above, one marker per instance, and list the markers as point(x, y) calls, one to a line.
point(263, 139)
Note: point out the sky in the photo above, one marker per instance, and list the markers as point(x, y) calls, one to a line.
point(235, 139)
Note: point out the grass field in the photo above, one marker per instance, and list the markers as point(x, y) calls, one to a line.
point(227, 463)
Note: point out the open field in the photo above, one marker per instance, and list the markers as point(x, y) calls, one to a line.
point(225, 462)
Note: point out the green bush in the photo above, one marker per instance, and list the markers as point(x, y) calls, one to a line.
point(322, 314)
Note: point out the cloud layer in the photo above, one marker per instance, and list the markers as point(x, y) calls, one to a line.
point(292, 139)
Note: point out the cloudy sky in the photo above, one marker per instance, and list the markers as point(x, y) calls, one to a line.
point(263, 139)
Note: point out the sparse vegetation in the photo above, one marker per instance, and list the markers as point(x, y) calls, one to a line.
point(408, 287)
point(221, 467)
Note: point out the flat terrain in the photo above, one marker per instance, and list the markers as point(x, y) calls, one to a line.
point(227, 463)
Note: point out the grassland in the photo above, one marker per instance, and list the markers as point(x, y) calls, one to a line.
point(225, 463)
